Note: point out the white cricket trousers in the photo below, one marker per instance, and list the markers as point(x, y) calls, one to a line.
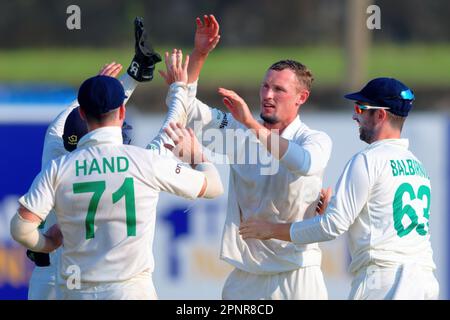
point(301, 284)
point(42, 284)
point(404, 282)
point(139, 287)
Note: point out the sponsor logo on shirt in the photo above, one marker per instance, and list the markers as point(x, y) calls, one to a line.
point(224, 121)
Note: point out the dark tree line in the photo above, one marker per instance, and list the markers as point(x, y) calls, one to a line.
point(25, 23)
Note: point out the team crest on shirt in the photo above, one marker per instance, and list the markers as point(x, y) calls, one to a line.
point(73, 140)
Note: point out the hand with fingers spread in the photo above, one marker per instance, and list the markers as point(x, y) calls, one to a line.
point(187, 148)
point(207, 34)
point(237, 106)
point(110, 69)
point(325, 196)
point(206, 38)
point(176, 70)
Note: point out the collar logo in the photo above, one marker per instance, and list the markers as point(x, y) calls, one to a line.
point(73, 140)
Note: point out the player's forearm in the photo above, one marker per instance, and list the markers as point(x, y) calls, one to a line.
point(281, 231)
point(27, 234)
point(129, 85)
point(273, 142)
point(317, 229)
point(176, 102)
point(196, 61)
point(213, 184)
point(293, 156)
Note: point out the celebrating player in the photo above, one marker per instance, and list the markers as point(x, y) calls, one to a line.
point(268, 269)
point(62, 137)
point(104, 195)
point(382, 199)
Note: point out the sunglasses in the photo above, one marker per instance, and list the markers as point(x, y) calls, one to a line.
point(405, 95)
point(359, 108)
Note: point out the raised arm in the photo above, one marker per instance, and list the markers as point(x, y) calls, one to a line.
point(176, 75)
point(274, 143)
point(306, 159)
point(206, 38)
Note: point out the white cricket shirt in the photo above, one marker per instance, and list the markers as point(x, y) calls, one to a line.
point(54, 148)
point(280, 191)
point(383, 199)
point(105, 196)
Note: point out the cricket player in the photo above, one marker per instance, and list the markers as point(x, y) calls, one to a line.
point(382, 199)
point(105, 195)
point(62, 137)
point(286, 192)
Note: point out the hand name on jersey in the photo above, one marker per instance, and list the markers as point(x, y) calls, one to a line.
point(408, 167)
point(102, 166)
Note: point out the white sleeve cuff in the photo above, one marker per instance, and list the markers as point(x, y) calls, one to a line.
point(214, 187)
point(296, 159)
point(309, 231)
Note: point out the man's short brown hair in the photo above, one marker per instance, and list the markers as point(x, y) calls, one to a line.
point(304, 75)
point(100, 119)
point(395, 120)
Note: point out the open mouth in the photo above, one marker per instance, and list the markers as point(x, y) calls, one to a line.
point(268, 106)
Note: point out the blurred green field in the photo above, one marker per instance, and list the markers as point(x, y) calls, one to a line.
point(424, 65)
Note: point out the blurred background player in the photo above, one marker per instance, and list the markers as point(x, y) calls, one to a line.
point(382, 199)
point(62, 136)
point(268, 269)
point(108, 235)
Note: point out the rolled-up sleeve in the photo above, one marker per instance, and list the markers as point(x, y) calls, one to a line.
point(40, 198)
point(309, 157)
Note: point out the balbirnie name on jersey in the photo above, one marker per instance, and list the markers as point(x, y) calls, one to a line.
point(101, 166)
point(408, 167)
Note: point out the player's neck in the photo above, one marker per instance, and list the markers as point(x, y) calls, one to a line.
point(387, 133)
point(278, 126)
point(94, 126)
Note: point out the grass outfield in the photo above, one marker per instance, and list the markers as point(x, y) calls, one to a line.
point(415, 64)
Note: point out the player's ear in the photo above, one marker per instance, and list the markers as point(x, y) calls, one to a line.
point(122, 112)
point(82, 114)
point(302, 96)
point(382, 116)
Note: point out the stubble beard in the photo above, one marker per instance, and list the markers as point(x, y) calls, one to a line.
point(269, 119)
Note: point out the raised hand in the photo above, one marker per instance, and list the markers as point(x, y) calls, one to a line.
point(237, 106)
point(207, 34)
point(110, 69)
point(187, 148)
point(176, 70)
